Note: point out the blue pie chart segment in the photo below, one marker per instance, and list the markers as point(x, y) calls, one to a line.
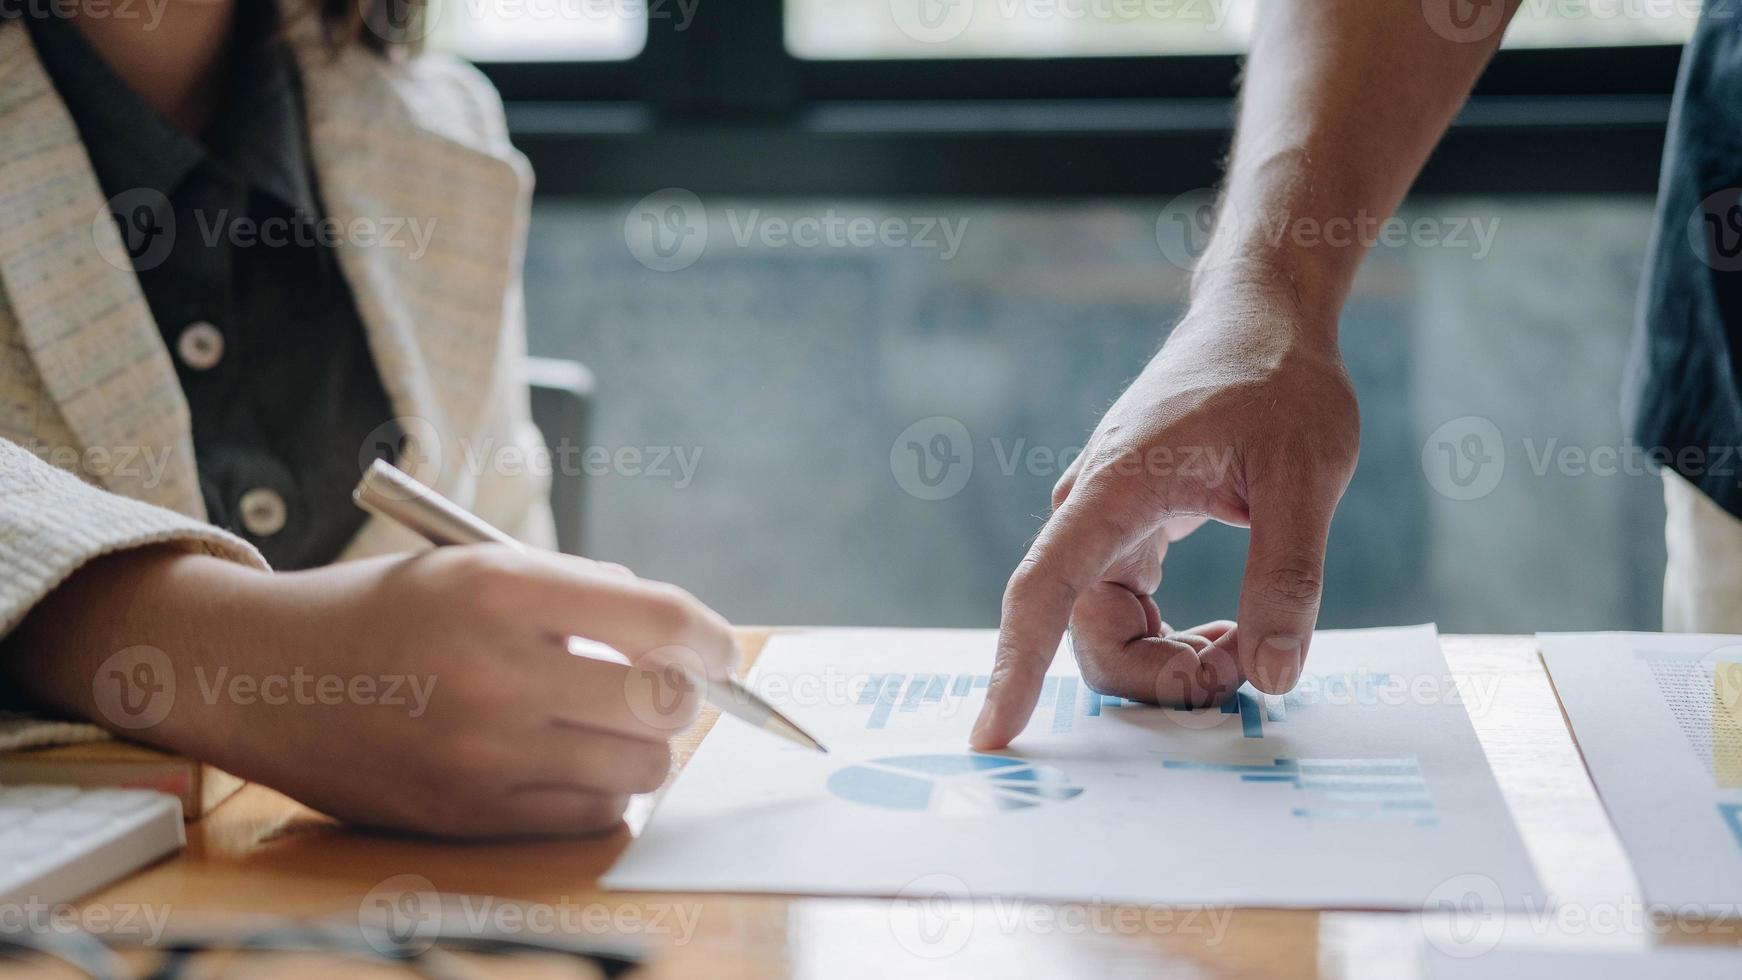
point(952, 785)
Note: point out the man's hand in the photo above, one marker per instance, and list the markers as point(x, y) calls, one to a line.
point(432, 693)
point(1246, 416)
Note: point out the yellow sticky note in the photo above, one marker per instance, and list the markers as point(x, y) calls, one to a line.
point(1727, 723)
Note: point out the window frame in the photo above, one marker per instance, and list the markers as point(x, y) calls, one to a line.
point(723, 107)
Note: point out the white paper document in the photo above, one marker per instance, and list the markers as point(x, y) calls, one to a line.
point(1364, 788)
point(1658, 718)
point(1671, 963)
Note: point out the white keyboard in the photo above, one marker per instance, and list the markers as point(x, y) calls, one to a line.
point(59, 843)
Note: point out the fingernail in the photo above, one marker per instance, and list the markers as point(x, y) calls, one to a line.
point(1277, 664)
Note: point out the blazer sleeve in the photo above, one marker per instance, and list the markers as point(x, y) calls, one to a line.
point(51, 524)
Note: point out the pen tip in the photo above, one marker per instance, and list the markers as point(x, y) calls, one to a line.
point(786, 727)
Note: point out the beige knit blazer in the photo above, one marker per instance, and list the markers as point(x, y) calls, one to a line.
point(96, 450)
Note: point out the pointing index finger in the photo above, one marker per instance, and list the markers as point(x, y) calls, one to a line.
point(1074, 548)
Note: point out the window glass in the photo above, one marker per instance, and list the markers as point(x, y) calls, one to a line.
point(539, 30)
point(1059, 28)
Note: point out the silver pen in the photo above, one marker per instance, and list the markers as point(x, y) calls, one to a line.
point(389, 492)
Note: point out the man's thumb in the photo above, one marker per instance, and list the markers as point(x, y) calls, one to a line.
point(1279, 600)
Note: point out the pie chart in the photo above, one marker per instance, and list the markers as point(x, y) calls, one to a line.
point(952, 785)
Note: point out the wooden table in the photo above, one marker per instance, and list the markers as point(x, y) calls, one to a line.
point(260, 852)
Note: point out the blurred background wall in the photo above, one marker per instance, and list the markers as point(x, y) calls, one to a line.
point(787, 375)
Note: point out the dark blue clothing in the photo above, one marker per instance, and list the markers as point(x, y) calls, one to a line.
point(1681, 393)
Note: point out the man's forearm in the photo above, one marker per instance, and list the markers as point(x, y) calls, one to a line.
point(1342, 103)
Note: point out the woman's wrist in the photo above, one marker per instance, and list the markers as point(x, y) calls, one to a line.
point(125, 640)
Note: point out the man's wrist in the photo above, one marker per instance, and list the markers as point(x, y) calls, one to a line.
point(1277, 296)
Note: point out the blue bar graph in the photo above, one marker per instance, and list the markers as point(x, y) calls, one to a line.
point(1276, 766)
point(934, 691)
point(915, 691)
point(1733, 816)
point(873, 684)
point(1358, 789)
point(1068, 699)
point(1066, 705)
point(885, 701)
point(1251, 722)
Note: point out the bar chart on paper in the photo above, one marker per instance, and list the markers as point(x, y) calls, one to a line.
point(1354, 790)
point(1064, 698)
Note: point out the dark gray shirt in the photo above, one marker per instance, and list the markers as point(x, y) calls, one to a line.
point(1684, 383)
point(228, 239)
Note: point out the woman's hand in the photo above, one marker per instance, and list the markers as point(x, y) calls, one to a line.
point(431, 693)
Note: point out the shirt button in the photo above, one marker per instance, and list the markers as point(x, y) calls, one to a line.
point(200, 346)
point(263, 512)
